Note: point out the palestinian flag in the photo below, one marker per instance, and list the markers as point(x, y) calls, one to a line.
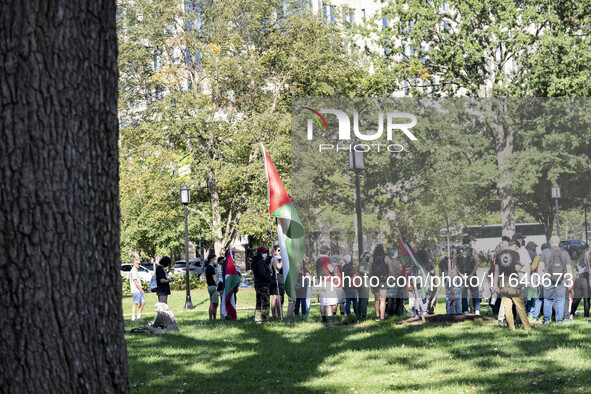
point(289, 226)
point(231, 282)
point(409, 257)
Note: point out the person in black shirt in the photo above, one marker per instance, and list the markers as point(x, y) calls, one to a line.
point(262, 280)
point(165, 320)
point(507, 284)
point(210, 277)
point(162, 280)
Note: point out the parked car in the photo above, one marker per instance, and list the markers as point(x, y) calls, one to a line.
point(144, 273)
point(180, 268)
point(148, 265)
point(575, 247)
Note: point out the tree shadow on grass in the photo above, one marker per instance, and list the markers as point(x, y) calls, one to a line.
point(222, 356)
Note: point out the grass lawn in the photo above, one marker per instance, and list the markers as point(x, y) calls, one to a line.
point(306, 356)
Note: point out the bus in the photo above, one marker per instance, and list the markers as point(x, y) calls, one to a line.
point(487, 237)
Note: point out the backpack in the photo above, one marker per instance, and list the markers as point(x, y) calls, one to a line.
point(465, 259)
point(348, 270)
point(379, 268)
point(556, 267)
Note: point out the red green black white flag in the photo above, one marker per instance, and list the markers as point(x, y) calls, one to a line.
point(289, 226)
point(231, 283)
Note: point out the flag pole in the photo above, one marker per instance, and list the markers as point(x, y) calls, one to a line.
point(271, 229)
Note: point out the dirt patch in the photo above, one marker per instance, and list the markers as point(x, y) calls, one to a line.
point(443, 319)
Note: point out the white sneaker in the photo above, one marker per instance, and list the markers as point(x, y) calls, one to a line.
point(132, 318)
point(138, 317)
point(477, 312)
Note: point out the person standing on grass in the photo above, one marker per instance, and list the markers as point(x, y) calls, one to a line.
point(507, 284)
point(581, 288)
point(363, 290)
point(554, 264)
point(277, 285)
point(335, 260)
point(303, 291)
point(466, 264)
point(210, 277)
point(262, 280)
point(327, 291)
point(348, 287)
point(136, 290)
point(219, 276)
point(163, 280)
point(380, 268)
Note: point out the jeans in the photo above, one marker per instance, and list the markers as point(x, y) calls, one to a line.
point(451, 293)
point(362, 306)
point(475, 297)
point(305, 308)
point(554, 293)
point(530, 306)
point(348, 306)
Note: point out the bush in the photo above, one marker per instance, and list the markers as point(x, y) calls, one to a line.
point(180, 283)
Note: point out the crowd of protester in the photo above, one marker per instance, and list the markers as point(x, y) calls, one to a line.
point(522, 285)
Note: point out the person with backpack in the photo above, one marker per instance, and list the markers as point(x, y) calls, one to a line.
point(556, 274)
point(508, 285)
point(380, 268)
point(348, 287)
point(465, 263)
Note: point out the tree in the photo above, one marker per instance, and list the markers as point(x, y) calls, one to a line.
point(62, 324)
point(477, 48)
point(205, 82)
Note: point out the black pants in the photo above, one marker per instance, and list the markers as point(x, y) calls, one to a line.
point(163, 298)
point(581, 291)
point(262, 305)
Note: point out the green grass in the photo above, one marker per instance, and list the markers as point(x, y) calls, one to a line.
point(306, 356)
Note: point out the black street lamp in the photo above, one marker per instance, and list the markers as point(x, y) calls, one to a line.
point(185, 200)
point(585, 203)
point(356, 163)
point(556, 196)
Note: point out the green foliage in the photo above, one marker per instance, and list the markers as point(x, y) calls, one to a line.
point(225, 75)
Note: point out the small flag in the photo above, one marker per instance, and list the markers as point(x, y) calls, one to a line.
point(409, 256)
point(231, 283)
point(289, 226)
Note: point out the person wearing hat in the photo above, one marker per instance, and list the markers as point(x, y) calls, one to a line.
point(262, 280)
point(327, 292)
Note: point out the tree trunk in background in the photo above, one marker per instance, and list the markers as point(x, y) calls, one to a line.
point(62, 324)
point(503, 135)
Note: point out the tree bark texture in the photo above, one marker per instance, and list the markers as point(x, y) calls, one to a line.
point(503, 135)
point(60, 287)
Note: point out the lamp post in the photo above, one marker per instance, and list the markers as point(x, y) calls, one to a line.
point(585, 203)
point(357, 164)
point(556, 196)
point(185, 200)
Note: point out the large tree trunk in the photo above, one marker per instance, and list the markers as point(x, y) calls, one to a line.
point(62, 324)
point(503, 135)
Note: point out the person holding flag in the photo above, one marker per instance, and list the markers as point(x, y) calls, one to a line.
point(418, 299)
point(290, 230)
point(231, 283)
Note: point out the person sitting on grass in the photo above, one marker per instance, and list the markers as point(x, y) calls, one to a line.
point(165, 320)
